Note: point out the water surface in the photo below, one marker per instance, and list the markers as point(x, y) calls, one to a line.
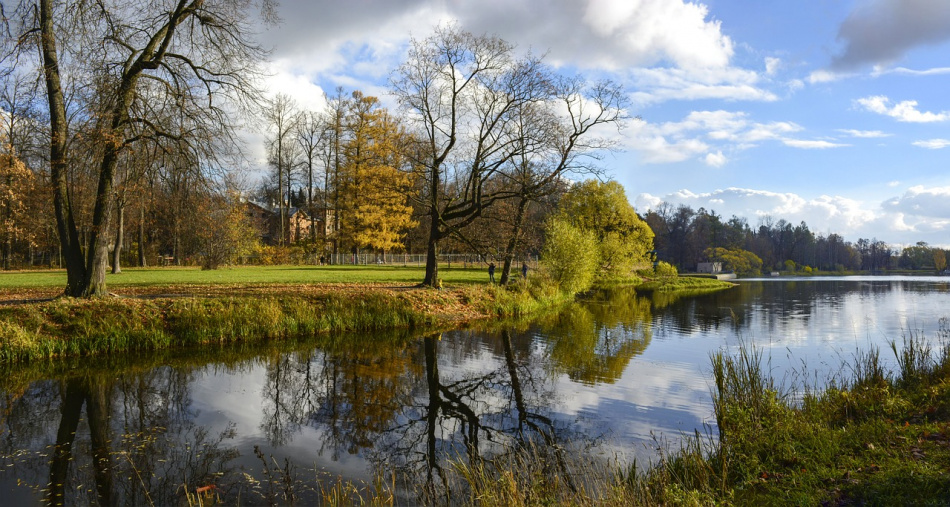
point(609, 378)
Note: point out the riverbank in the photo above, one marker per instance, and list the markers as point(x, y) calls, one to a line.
point(880, 437)
point(154, 309)
point(153, 318)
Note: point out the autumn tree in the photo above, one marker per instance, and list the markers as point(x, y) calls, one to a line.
point(558, 136)
point(375, 178)
point(16, 184)
point(602, 208)
point(571, 255)
point(940, 260)
point(739, 261)
point(193, 56)
point(225, 232)
point(18, 138)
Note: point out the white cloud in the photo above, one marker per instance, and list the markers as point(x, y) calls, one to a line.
point(840, 214)
point(772, 65)
point(708, 134)
point(651, 31)
point(893, 184)
point(655, 147)
point(728, 83)
point(921, 214)
point(937, 71)
point(825, 76)
point(933, 144)
point(716, 159)
point(299, 86)
point(904, 111)
point(691, 55)
point(866, 134)
point(922, 202)
point(812, 145)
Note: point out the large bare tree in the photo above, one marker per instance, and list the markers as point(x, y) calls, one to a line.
point(462, 91)
point(171, 72)
point(495, 127)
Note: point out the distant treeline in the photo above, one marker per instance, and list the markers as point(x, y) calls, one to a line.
point(684, 237)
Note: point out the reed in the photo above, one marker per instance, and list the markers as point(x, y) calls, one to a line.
point(878, 437)
point(73, 327)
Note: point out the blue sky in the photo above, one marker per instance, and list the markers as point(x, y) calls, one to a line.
point(835, 112)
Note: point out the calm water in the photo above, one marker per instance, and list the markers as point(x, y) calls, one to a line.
point(607, 378)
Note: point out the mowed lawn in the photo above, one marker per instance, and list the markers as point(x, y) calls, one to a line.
point(252, 275)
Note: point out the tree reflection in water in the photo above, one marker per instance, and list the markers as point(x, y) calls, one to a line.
point(407, 405)
point(119, 438)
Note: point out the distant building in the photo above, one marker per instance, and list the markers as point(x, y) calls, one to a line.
point(267, 221)
point(709, 267)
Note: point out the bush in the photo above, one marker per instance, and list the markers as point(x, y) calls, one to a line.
point(571, 256)
point(665, 269)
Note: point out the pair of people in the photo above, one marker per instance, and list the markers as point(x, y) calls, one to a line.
point(491, 271)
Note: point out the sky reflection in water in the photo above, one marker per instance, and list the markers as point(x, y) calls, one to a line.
point(608, 376)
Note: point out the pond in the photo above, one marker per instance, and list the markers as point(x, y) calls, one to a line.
point(612, 378)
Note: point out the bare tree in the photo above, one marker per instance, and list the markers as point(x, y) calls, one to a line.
point(558, 137)
point(335, 118)
point(283, 118)
point(462, 90)
point(147, 61)
point(312, 134)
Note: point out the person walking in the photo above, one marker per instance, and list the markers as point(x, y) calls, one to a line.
point(491, 272)
point(524, 270)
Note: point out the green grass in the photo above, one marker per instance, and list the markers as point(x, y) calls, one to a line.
point(683, 283)
point(879, 437)
point(251, 275)
point(293, 301)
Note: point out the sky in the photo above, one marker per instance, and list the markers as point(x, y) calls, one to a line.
point(831, 112)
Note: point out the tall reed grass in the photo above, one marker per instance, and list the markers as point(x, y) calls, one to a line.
point(67, 327)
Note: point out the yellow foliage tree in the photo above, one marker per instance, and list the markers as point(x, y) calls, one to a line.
point(16, 184)
point(374, 181)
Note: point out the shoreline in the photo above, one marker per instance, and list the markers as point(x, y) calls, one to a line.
point(35, 325)
point(142, 319)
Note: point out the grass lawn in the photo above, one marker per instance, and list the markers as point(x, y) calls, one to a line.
point(251, 275)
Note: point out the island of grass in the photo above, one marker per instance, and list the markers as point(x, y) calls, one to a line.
point(689, 284)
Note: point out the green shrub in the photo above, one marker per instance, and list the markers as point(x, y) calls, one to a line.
point(665, 269)
point(571, 256)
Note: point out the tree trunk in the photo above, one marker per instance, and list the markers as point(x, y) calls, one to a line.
point(65, 221)
point(70, 410)
point(99, 412)
point(513, 240)
point(432, 253)
point(7, 215)
point(119, 234)
point(7, 251)
point(142, 261)
point(97, 261)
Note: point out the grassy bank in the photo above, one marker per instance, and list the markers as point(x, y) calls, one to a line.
point(190, 307)
point(879, 437)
